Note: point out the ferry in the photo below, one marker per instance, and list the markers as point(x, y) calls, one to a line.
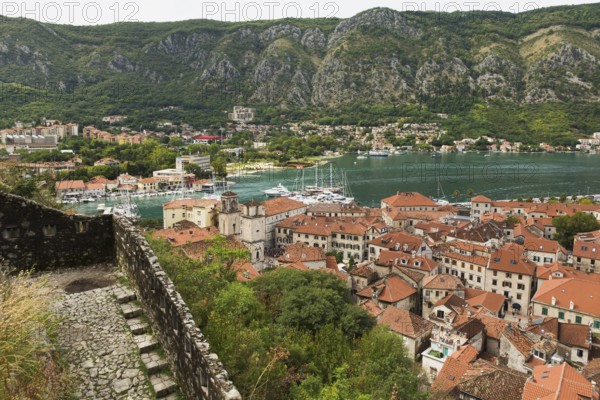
point(378, 153)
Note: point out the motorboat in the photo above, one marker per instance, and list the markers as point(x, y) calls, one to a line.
point(277, 191)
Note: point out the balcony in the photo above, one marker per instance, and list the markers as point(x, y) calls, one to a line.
point(453, 340)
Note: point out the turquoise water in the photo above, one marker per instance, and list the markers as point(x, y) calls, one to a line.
point(498, 176)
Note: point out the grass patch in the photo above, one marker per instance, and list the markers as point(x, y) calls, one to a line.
point(30, 366)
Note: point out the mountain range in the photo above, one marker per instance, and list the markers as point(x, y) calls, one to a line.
point(546, 60)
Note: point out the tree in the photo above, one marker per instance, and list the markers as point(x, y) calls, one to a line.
point(220, 167)
point(567, 227)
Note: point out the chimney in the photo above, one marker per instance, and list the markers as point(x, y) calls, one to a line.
point(553, 300)
point(571, 305)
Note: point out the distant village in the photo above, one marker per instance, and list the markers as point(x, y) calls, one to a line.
point(483, 296)
point(414, 136)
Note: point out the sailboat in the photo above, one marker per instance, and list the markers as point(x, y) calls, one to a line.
point(440, 200)
point(320, 182)
point(126, 208)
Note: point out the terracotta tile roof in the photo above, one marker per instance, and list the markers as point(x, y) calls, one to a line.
point(559, 271)
point(493, 326)
point(433, 226)
point(481, 199)
point(452, 301)
point(398, 215)
point(94, 186)
point(326, 226)
point(400, 241)
point(371, 308)
point(322, 208)
point(477, 298)
point(548, 325)
point(443, 282)
point(406, 260)
point(415, 276)
point(458, 245)
point(409, 199)
point(584, 295)
point(449, 376)
point(518, 339)
point(473, 259)
point(592, 370)
point(101, 179)
point(574, 334)
point(541, 245)
point(404, 322)
point(299, 252)
point(498, 383)
point(471, 328)
point(245, 271)
point(296, 265)
point(493, 217)
point(281, 205)
point(482, 232)
point(364, 271)
point(149, 180)
point(509, 258)
point(390, 289)
point(466, 354)
point(587, 245)
point(182, 237)
point(190, 203)
point(559, 382)
point(70, 185)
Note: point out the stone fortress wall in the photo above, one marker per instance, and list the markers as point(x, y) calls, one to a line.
point(47, 239)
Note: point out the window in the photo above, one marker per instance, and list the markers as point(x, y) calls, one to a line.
point(547, 259)
point(495, 273)
point(440, 314)
point(478, 269)
point(520, 276)
point(561, 315)
point(478, 279)
point(518, 296)
point(579, 353)
point(520, 286)
point(596, 324)
point(544, 311)
point(578, 319)
point(494, 282)
point(508, 275)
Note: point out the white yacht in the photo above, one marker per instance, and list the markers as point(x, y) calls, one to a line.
point(277, 191)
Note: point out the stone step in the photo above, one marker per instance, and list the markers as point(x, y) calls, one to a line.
point(154, 362)
point(124, 295)
point(137, 326)
point(131, 310)
point(172, 396)
point(163, 385)
point(145, 343)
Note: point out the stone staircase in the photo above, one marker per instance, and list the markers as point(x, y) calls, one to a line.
point(157, 367)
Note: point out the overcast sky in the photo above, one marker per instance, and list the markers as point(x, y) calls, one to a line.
point(109, 11)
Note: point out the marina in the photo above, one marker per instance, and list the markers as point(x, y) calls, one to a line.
point(503, 176)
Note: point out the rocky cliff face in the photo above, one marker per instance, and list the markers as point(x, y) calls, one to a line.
point(378, 56)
